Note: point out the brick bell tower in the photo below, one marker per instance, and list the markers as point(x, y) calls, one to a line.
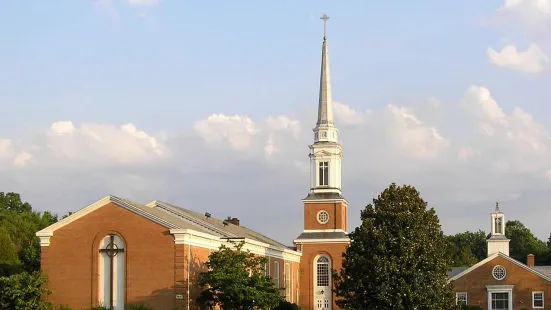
point(324, 237)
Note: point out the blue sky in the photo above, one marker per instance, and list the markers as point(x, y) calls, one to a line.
point(188, 59)
point(166, 67)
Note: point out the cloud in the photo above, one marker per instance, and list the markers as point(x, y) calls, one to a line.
point(530, 11)
point(533, 60)
point(143, 2)
point(462, 157)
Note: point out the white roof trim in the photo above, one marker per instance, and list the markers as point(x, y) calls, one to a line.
point(336, 240)
point(47, 232)
point(507, 257)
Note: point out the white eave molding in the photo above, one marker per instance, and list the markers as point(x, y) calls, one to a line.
point(504, 256)
point(312, 241)
point(48, 232)
point(203, 240)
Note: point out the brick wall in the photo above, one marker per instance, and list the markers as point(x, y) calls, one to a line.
point(524, 281)
point(70, 262)
point(337, 215)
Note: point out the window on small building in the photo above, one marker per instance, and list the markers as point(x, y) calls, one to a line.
point(288, 287)
point(500, 301)
point(537, 300)
point(276, 274)
point(323, 173)
point(461, 298)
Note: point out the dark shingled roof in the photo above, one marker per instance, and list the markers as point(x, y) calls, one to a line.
point(546, 270)
point(322, 235)
point(456, 270)
point(318, 196)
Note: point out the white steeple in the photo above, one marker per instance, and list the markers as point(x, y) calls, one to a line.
point(497, 242)
point(326, 152)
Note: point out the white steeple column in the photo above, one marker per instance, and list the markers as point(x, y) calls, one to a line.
point(326, 152)
point(497, 242)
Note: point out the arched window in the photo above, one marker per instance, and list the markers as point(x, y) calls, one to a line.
point(322, 283)
point(111, 269)
point(323, 271)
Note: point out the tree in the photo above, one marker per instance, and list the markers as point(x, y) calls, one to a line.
point(523, 242)
point(21, 223)
point(397, 257)
point(468, 248)
point(235, 280)
point(23, 291)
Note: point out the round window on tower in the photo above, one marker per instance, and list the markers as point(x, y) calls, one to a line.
point(499, 272)
point(323, 217)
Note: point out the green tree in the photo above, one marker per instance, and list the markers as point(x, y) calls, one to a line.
point(18, 219)
point(235, 280)
point(396, 259)
point(24, 291)
point(468, 248)
point(523, 242)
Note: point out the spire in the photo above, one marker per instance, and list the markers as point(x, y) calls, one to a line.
point(325, 108)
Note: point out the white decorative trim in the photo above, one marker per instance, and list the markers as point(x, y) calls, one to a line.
point(44, 237)
point(500, 289)
point(323, 230)
point(542, 299)
point(203, 240)
point(318, 217)
point(325, 201)
point(47, 232)
point(489, 258)
point(337, 240)
point(496, 267)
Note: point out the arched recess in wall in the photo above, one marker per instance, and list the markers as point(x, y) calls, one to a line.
point(322, 265)
point(112, 271)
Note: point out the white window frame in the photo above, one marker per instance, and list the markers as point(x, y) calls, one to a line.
point(276, 274)
point(542, 299)
point(287, 279)
point(457, 297)
point(297, 286)
point(500, 289)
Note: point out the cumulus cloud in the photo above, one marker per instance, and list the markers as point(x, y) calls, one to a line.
point(532, 60)
point(531, 11)
point(257, 169)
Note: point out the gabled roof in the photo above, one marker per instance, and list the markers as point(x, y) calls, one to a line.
point(214, 226)
point(156, 216)
point(171, 217)
point(460, 272)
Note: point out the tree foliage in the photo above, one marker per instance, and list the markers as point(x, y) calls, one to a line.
point(395, 259)
point(468, 248)
point(23, 291)
point(523, 242)
point(235, 279)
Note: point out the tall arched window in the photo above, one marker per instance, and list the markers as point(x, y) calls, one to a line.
point(322, 282)
point(111, 269)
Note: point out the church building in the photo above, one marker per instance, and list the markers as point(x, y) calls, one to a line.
point(500, 282)
point(115, 251)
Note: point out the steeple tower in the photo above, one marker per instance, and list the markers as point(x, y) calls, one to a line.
point(326, 152)
point(324, 237)
point(497, 242)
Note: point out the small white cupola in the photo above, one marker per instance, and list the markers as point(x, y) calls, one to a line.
point(497, 242)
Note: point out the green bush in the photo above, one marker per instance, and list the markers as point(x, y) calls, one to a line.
point(465, 307)
point(285, 305)
point(137, 307)
point(24, 291)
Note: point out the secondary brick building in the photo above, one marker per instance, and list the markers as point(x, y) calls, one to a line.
point(500, 282)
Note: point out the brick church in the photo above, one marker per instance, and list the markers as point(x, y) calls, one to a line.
point(103, 253)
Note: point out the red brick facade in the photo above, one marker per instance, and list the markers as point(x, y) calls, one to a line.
point(156, 270)
point(523, 281)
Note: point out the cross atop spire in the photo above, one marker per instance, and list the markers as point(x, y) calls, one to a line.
point(325, 108)
point(324, 18)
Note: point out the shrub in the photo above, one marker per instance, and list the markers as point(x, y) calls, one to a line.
point(24, 291)
point(285, 305)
